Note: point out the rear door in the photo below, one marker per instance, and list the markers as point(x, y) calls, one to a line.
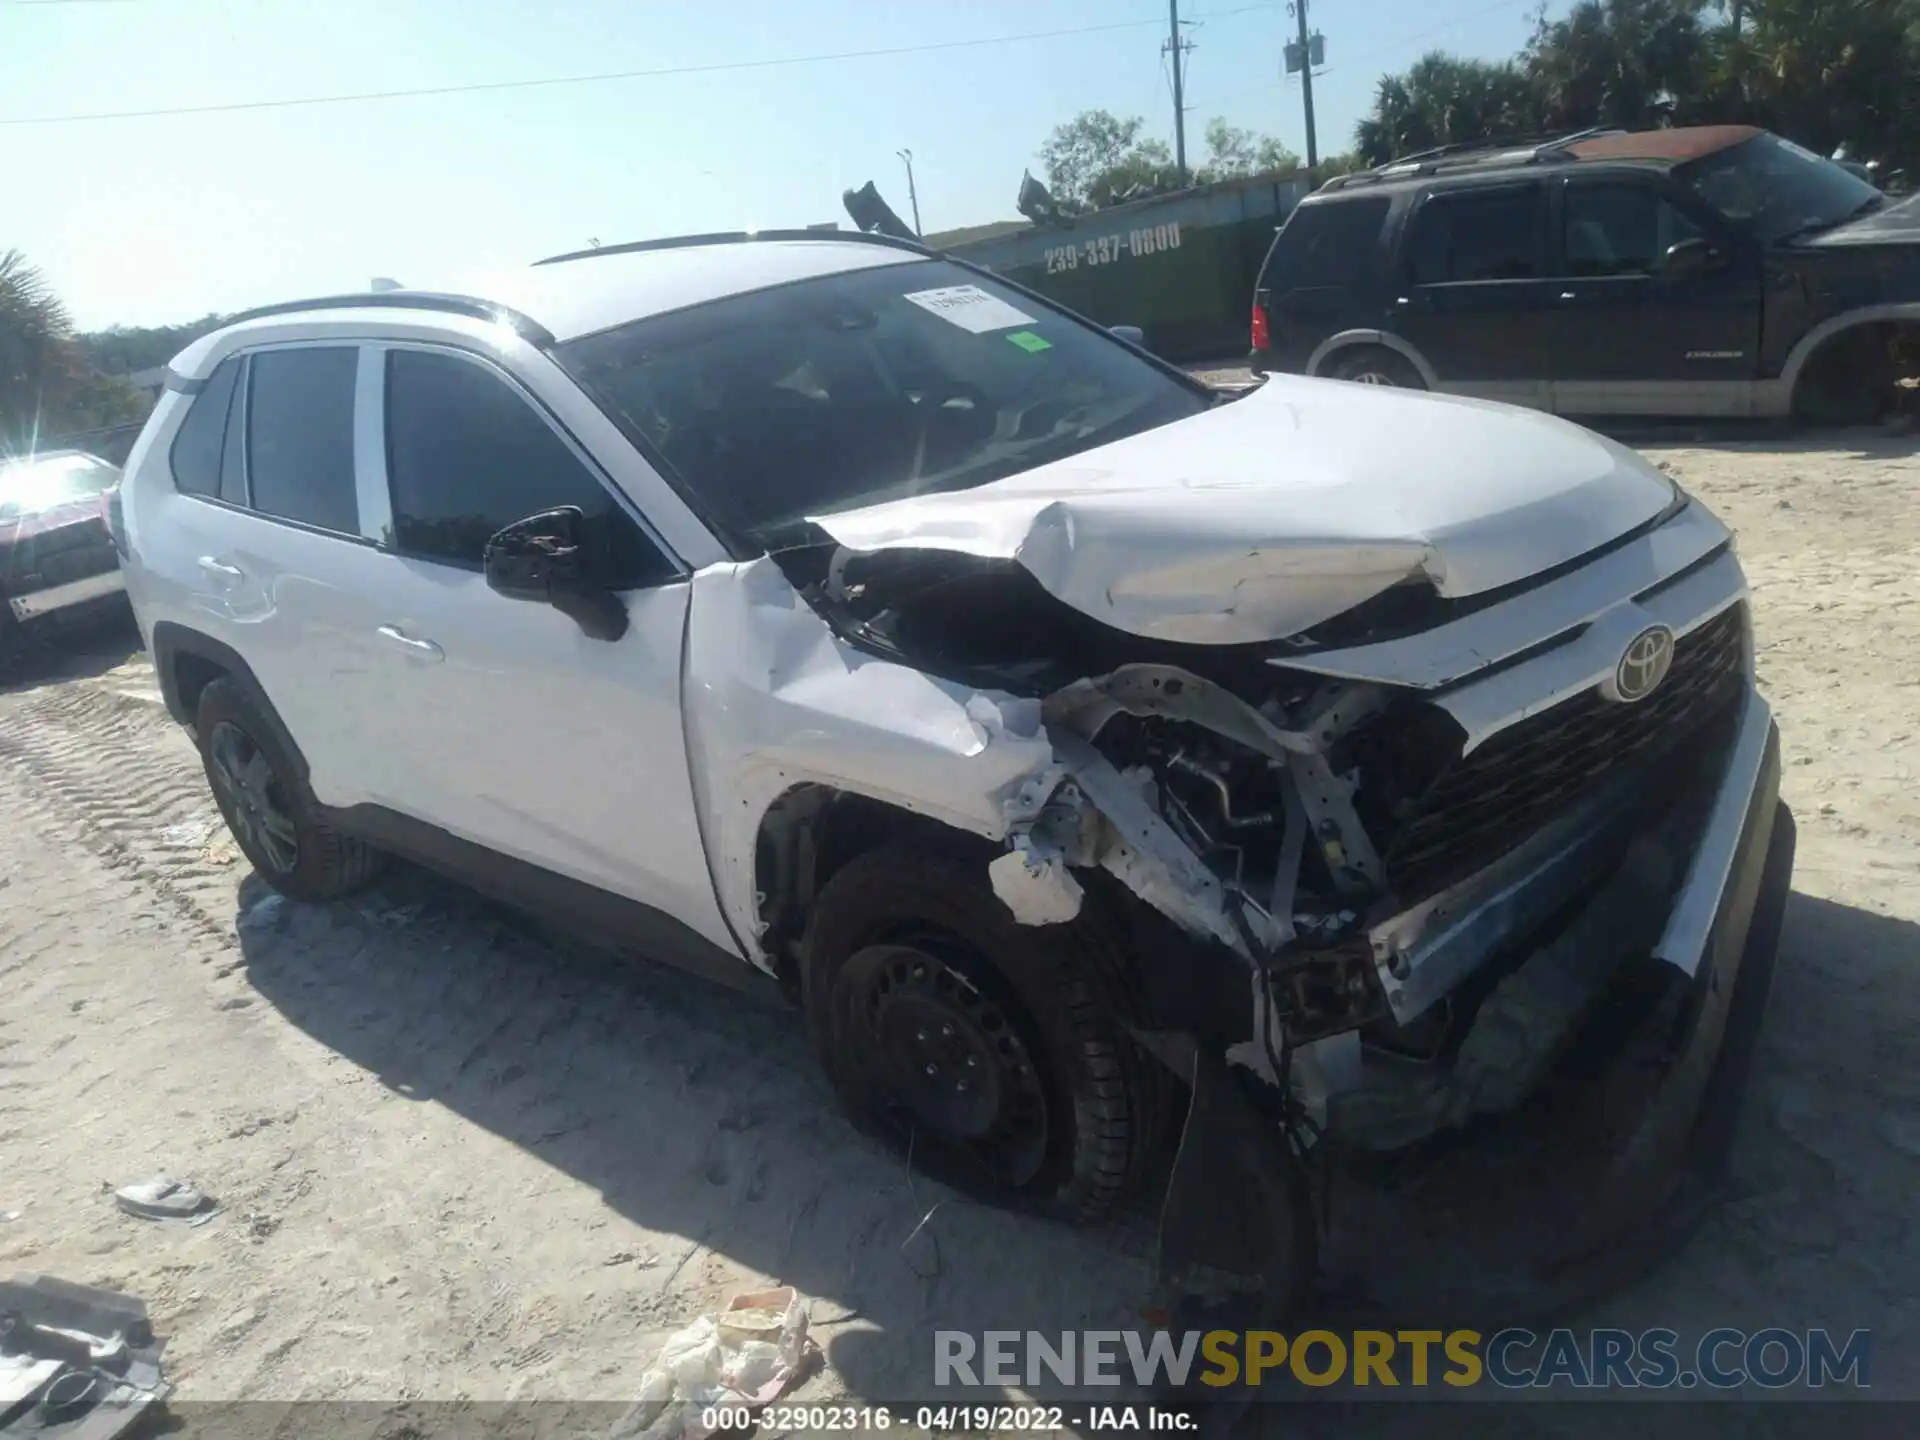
point(1634, 333)
point(1474, 296)
point(257, 542)
point(1324, 274)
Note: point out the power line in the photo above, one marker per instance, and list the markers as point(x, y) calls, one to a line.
point(602, 77)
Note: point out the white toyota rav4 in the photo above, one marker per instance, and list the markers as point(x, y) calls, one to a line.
point(1329, 769)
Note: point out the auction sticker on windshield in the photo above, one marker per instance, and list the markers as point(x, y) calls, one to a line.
point(971, 308)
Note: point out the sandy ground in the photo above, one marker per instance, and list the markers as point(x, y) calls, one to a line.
point(460, 1159)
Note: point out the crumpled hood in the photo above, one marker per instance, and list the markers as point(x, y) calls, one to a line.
point(1264, 517)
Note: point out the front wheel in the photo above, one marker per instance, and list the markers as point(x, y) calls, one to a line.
point(276, 821)
point(1376, 365)
point(991, 1054)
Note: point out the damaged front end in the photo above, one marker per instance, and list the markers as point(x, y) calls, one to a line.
point(1465, 914)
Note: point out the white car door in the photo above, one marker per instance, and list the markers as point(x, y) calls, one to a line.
point(513, 728)
point(258, 543)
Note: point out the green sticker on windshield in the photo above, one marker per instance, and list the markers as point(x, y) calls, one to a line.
point(1029, 342)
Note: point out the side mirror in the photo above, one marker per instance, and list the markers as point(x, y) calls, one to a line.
point(1132, 334)
point(1690, 257)
point(544, 558)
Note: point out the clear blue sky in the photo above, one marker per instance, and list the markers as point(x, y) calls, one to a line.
point(156, 220)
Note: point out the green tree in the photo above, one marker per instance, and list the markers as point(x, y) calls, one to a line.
point(1096, 158)
point(1445, 100)
point(38, 361)
point(1631, 64)
point(1827, 73)
point(46, 386)
point(124, 349)
point(1233, 152)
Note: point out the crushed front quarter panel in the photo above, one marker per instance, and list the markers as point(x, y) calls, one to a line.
point(774, 700)
point(1259, 519)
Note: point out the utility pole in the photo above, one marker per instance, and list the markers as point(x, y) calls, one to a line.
point(1299, 8)
point(1176, 50)
point(913, 196)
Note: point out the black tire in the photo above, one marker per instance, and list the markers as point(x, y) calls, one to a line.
point(1846, 382)
point(325, 864)
point(1375, 365)
point(1053, 996)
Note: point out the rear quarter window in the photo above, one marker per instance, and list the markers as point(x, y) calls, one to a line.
point(1328, 246)
point(197, 448)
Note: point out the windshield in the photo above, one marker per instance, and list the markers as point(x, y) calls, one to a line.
point(1775, 188)
point(875, 384)
point(31, 485)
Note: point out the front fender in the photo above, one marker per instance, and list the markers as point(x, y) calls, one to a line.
point(773, 699)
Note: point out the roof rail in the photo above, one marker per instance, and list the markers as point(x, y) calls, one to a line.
point(466, 305)
point(1517, 150)
point(739, 237)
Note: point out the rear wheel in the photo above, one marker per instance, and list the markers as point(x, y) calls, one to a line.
point(268, 806)
point(990, 1053)
point(1849, 380)
point(1375, 365)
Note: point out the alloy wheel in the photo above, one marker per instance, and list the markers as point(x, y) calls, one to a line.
point(254, 801)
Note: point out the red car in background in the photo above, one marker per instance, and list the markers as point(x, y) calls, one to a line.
point(58, 555)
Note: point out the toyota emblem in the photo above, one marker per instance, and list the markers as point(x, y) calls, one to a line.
point(1648, 657)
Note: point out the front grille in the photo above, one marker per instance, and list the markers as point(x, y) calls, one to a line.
point(1481, 805)
point(57, 557)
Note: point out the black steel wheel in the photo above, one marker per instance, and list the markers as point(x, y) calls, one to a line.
point(942, 1058)
point(993, 1055)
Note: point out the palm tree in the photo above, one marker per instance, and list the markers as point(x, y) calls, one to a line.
point(1827, 73)
point(1444, 100)
point(38, 359)
point(1629, 63)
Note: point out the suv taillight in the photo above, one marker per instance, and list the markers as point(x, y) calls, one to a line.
point(1262, 336)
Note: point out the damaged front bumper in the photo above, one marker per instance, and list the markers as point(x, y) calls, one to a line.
point(1595, 1172)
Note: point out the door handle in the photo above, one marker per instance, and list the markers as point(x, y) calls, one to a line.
point(219, 569)
point(425, 649)
point(1569, 294)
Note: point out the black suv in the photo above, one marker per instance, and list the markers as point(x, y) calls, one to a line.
point(1712, 271)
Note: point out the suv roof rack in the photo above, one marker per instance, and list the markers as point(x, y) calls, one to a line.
point(1513, 150)
point(467, 305)
point(740, 237)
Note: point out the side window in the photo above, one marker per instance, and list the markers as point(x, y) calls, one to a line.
point(300, 436)
point(467, 456)
point(1327, 246)
point(1480, 235)
point(201, 441)
point(1620, 229)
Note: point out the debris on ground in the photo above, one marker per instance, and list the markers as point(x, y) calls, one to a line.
point(161, 1198)
point(75, 1361)
point(747, 1356)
